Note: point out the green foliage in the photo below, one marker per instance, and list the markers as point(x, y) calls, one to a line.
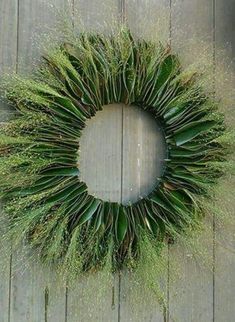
point(45, 200)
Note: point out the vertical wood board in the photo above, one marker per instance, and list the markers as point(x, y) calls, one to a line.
point(191, 291)
point(8, 53)
point(224, 308)
point(34, 296)
point(29, 291)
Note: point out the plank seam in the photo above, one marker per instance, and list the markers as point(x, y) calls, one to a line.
point(121, 197)
point(16, 70)
point(123, 21)
point(123, 11)
point(213, 219)
point(166, 312)
point(66, 287)
point(9, 288)
point(17, 35)
point(46, 303)
point(170, 22)
point(66, 304)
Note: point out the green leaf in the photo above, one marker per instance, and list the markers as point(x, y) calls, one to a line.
point(65, 172)
point(68, 193)
point(160, 202)
point(40, 185)
point(121, 224)
point(193, 131)
point(99, 217)
point(89, 212)
point(183, 153)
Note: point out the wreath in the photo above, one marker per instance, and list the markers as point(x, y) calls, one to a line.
point(46, 202)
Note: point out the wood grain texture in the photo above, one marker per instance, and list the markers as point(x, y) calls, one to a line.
point(191, 295)
point(93, 298)
point(8, 45)
point(29, 298)
point(192, 30)
point(143, 149)
point(55, 297)
point(105, 172)
point(101, 153)
point(8, 35)
point(5, 267)
point(143, 161)
point(100, 164)
point(8, 53)
point(149, 19)
point(97, 15)
point(27, 292)
point(224, 308)
point(197, 297)
point(36, 21)
point(101, 169)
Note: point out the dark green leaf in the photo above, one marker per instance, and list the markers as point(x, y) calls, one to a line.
point(121, 224)
point(65, 172)
point(193, 131)
point(89, 212)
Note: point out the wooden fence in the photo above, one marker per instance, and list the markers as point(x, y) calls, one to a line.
point(200, 296)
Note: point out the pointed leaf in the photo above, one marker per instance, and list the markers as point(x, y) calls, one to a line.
point(121, 224)
point(192, 132)
point(89, 212)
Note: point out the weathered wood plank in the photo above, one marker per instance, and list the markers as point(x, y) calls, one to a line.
point(224, 309)
point(55, 298)
point(8, 44)
point(33, 299)
point(27, 291)
point(93, 298)
point(8, 50)
point(192, 28)
point(30, 292)
point(105, 171)
point(191, 295)
point(5, 267)
point(143, 159)
point(144, 152)
point(36, 21)
point(101, 139)
point(100, 165)
point(95, 15)
point(149, 19)
point(8, 35)
point(141, 147)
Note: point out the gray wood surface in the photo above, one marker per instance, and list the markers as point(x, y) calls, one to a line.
point(224, 236)
point(28, 290)
point(143, 159)
point(198, 295)
point(100, 164)
point(191, 292)
point(143, 150)
point(8, 53)
point(104, 181)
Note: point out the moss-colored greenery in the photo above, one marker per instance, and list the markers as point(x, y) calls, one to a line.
point(45, 201)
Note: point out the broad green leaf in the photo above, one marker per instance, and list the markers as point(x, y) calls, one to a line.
point(121, 224)
point(89, 212)
point(68, 193)
point(40, 185)
point(151, 220)
point(156, 198)
point(65, 172)
point(192, 132)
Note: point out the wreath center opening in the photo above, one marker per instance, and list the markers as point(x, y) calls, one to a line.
point(121, 153)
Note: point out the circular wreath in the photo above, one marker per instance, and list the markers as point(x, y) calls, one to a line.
point(45, 200)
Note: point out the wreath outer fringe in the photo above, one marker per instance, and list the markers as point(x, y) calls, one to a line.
point(45, 201)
